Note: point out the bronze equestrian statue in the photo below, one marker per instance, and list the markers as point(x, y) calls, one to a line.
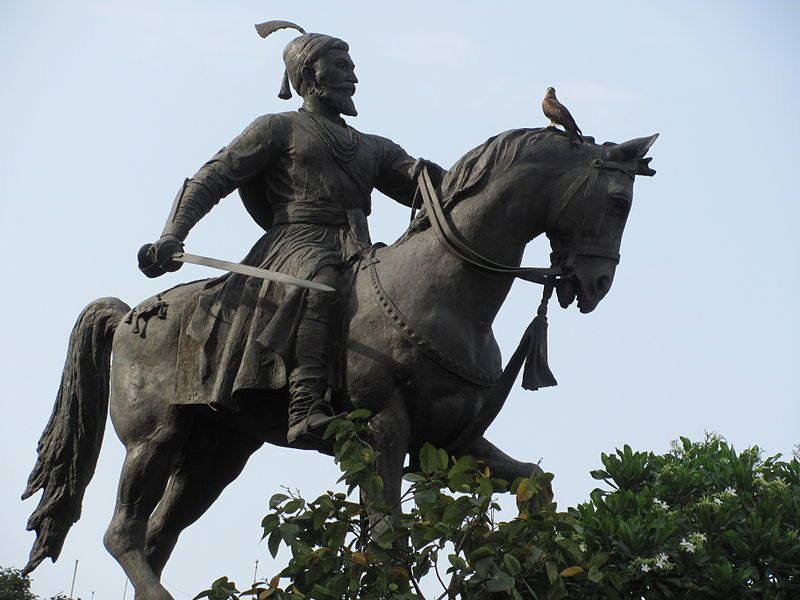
point(206, 372)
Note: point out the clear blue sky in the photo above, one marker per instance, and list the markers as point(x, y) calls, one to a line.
point(106, 106)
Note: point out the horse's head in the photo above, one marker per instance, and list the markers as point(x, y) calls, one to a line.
point(587, 211)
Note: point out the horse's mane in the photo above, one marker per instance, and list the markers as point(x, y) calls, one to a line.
point(471, 173)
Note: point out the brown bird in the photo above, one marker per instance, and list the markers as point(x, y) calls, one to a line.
point(559, 115)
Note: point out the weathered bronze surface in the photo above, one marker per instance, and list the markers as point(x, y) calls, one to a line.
point(207, 372)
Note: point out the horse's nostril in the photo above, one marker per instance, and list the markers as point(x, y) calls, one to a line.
point(603, 284)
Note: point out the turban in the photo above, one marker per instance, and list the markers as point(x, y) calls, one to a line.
point(300, 52)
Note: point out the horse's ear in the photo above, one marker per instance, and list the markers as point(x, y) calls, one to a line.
point(633, 150)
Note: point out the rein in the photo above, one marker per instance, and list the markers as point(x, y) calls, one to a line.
point(532, 348)
point(456, 245)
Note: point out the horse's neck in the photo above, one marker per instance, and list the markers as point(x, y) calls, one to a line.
point(497, 226)
point(446, 294)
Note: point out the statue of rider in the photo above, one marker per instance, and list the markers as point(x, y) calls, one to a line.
point(306, 176)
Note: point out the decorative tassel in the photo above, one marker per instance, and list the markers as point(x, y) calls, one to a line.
point(286, 90)
point(537, 373)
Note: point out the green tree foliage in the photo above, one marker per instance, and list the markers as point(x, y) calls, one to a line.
point(699, 522)
point(14, 585)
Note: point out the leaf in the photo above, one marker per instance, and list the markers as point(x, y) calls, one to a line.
point(429, 459)
point(571, 571)
point(535, 553)
point(552, 571)
point(595, 576)
point(274, 543)
point(459, 480)
point(222, 588)
point(479, 553)
point(294, 505)
point(289, 532)
point(512, 565)
point(457, 561)
point(444, 459)
point(572, 548)
point(270, 523)
point(485, 487)
point(373, 487)
point(276, 500)
point(598, 560)
point(616, 580)
point(334, 427)
point(359, 414)
point(424, 497)
point(523, 491)
point(500, 582)
point(320, 516)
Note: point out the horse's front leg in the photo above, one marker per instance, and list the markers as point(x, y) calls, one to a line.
point(505, 467)
point(392, 428)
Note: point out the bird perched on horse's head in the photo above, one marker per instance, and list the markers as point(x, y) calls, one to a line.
point(559, 115)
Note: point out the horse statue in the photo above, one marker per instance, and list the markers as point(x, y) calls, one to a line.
point(419, 349)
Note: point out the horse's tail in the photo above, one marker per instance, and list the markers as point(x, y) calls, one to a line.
point(70, 444)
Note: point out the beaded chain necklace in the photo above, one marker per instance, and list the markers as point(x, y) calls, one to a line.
point(342, 151)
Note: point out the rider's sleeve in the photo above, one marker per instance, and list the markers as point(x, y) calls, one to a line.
point(241, 160)
point(397, 175)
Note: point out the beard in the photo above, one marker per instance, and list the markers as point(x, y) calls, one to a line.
point(340, 99)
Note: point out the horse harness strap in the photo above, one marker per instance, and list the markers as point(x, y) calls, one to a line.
point(400, 322)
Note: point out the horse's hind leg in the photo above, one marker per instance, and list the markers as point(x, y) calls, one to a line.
point(145, 472)
point(209, 462)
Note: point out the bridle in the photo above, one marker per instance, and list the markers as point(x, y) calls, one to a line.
point(588, 176)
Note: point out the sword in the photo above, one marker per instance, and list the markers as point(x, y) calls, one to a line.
point(233, 267)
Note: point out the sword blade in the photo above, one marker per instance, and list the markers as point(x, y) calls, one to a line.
point(233, 267)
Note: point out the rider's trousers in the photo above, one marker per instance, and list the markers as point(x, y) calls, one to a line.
point(309, 380)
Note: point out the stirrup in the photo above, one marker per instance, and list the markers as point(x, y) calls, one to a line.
point(307, 433)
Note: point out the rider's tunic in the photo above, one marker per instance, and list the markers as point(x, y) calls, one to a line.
point(240, 334)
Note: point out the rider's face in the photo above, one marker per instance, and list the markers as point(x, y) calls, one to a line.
point(335, 69)
point(336, 81)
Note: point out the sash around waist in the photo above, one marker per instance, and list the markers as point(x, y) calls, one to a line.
point(309, 213)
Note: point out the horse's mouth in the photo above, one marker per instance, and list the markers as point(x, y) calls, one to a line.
point(568, 290)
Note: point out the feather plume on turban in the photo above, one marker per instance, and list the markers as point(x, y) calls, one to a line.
point(300, 52)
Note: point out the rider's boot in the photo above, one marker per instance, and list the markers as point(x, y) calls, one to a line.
point(310, 409)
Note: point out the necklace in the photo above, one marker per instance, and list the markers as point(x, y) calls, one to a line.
point(342, 151)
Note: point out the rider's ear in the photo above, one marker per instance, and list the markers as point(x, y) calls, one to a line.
point(309, 75)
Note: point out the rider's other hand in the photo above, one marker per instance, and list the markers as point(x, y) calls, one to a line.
point(435, 172)
point(419, 164)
